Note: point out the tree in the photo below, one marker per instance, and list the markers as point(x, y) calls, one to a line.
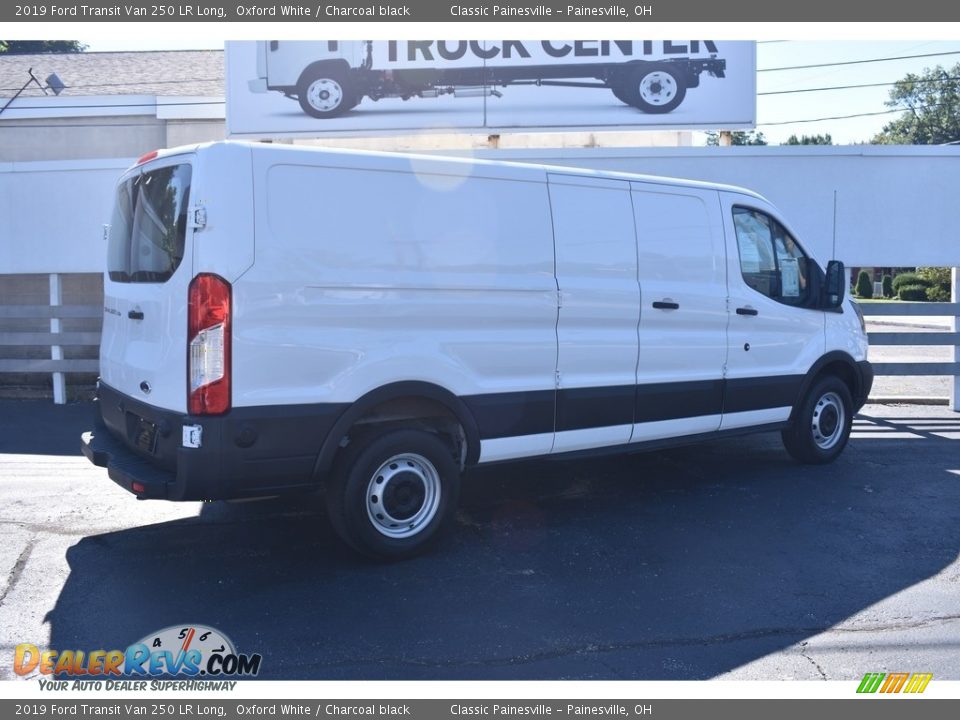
point(810, 140)
point(739, 138)
point(864, 287)
point(887, 285)
point(931, 105)
point(27, 47)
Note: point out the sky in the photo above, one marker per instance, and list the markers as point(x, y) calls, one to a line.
point(772, 109)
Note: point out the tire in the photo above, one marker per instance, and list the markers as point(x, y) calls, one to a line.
point(391, 493)
point(656, 88)
point(326, 94)
point(821, 428)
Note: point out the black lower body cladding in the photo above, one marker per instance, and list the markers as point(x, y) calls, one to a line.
point(866, 384)
point(246, 452)
point(267, 450)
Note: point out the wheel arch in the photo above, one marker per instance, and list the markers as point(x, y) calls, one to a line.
point(406, 394)
point(338, 65)
point(837, 363)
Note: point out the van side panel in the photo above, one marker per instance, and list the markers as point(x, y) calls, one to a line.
point(683, 316)
point(596, 251)
point(371, 271)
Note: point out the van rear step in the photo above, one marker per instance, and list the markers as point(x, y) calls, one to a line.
point(130, 471)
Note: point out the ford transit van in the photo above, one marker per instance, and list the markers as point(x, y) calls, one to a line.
point(282, 319)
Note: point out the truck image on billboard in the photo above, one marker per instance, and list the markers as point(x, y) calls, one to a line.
point(512, 83)
point(330, 78)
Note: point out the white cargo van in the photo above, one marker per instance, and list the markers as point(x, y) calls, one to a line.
point(282, 319)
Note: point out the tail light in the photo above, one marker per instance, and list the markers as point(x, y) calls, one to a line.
point(208, 345)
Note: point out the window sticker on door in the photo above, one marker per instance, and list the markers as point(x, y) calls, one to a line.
point(789, 277)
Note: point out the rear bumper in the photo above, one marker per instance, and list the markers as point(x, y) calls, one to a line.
point(247, 452)
point(129, 471)
point(865, 385)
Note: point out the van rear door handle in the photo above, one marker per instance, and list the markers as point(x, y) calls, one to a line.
point(135, 315)
point(666, 305)
point(747, 311)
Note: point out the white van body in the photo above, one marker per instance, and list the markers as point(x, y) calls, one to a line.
point(499, 310)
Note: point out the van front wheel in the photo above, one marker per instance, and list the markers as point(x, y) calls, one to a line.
point(822, 423)
point(391, 493)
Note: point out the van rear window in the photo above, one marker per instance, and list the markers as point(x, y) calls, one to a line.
point(149, 225)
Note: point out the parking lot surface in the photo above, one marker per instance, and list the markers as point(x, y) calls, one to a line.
point(724, 559)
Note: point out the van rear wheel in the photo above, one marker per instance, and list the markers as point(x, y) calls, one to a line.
point(821, 428)
point(392, 493)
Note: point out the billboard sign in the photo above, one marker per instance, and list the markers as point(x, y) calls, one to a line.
point(314, 88)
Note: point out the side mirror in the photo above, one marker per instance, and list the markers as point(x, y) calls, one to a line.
point(815, 279)
point(834, 286)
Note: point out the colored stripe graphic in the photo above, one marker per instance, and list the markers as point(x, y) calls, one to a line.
point(918, 682)
point(870, 682)
point(894, 683)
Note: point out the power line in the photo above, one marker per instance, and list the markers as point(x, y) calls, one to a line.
point(858, 62)
point(850, 87)
point(847, 117)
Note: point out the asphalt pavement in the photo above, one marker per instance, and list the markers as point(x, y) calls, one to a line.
point(724, 559)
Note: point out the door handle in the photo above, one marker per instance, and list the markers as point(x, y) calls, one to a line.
point(666, 305)
point(747, 311)
point(135, 315)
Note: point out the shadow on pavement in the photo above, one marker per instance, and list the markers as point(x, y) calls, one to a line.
point(677, 565)
point(38, 427)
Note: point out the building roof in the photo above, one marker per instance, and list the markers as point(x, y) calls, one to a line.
point(167, 72)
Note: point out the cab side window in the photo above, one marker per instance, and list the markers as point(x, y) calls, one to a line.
point(771, 261)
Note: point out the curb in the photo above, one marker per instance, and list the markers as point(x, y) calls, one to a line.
point(918, 326)
point(907, 400)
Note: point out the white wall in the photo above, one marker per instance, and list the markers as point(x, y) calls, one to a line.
point(52, 214)
point(896, 205)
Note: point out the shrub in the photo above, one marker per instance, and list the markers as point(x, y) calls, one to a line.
point(864, 287)
point(912, 292)
point(935, 275)
point(938, 280)
point(908, 278)
point(887, 286)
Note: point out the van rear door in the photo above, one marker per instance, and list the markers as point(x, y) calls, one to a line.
point(143, 351)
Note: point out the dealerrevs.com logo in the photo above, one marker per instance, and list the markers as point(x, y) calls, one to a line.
point(193, 651)
point(887, 683)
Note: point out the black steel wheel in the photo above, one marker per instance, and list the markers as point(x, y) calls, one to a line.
point(391, 493)
point(822, 422)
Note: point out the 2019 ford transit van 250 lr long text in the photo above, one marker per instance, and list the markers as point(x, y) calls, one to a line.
point(282, 319)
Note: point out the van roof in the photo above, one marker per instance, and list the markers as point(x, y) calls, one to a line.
point(528, 171)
